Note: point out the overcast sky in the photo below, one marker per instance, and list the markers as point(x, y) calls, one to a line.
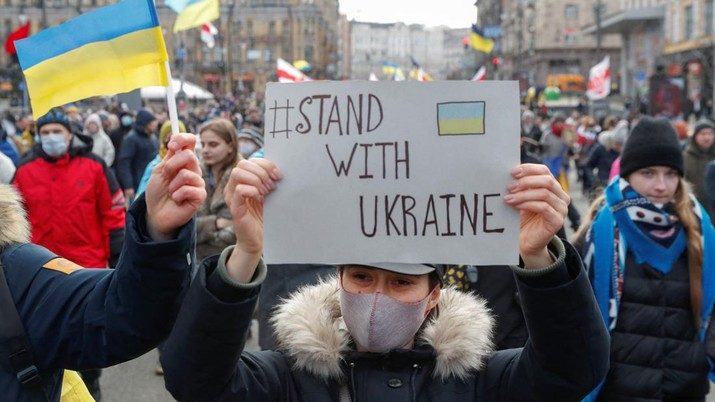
point(453, 13)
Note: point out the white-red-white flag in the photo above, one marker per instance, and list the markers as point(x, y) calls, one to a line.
point(599, 80)
point(208, 32)
point(288, 73)
point(480, 75)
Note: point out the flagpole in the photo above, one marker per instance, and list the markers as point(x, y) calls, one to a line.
point(171, 100)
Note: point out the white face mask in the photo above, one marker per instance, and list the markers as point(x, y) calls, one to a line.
point(54, 144)
point(246, 149)
point(380, 323)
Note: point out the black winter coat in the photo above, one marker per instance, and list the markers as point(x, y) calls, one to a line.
point(566, 356)
point(656, 354)
point(138, 149)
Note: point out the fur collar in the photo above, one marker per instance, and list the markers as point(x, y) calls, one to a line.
point(310, 331)
point(13, 220)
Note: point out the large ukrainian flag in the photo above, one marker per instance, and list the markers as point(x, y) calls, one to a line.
point(109, 50)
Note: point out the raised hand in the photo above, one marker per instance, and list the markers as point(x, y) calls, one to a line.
point(175, 190)
point(251, 180)
point(543, 205)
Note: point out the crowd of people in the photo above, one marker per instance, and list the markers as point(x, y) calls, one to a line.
point(623, 314)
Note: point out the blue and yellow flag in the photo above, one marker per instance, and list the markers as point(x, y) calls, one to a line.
point(302, 65)
point(193, 13)
point(393, 71)
point(389, 68)
point(460, 118)
point(418, 73)
point(109, 50)
point(480, 42)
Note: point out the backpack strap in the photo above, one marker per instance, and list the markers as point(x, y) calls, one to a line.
point(15, 348)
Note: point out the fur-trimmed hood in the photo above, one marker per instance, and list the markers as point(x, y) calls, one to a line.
point(311, 332)
point(13, 219)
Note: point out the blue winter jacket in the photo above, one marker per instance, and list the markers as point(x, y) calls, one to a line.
point(92, 318)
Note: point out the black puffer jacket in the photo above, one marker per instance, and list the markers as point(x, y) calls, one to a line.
point(656, 354)
point(566, 356)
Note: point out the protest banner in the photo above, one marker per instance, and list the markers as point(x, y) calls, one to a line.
point(392, 172)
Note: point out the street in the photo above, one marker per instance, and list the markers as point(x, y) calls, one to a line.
point(136, 381)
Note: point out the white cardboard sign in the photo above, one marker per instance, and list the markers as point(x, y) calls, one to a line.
point(392, 172)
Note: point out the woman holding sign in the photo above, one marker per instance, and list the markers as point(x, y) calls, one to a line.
point(649, 252)
point(382, 332)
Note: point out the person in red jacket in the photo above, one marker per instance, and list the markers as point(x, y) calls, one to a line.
point(73, 200)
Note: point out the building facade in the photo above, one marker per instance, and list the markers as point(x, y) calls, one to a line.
point(687, 59)
point(254, 34)
point(543, 37)
point(439, 51)
point(640, 24)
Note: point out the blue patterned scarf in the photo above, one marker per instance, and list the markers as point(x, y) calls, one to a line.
point(629, 221)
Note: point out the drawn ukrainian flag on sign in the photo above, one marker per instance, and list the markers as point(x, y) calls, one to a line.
point(460, 118)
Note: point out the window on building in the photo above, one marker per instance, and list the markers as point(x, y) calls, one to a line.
point(675, 28)
point(205, 57)
point(571, 12)
point(309, 54)
point(570, 39)
point(688, 23)
point(709, 8)
point(601, 10)
point(271, 28)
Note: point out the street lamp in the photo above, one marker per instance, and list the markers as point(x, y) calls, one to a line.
point(476, 23)
point(476, 18)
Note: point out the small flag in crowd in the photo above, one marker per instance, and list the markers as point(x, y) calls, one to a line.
point(393, 71)
point(109, 50)
point(418, 73)
point(302, 65)
point(599, 80)
point(480, 42)
point(288, 73)
point(193, 13)
point(389, 68)
point(373, 77)
point(20, 33)
point(480, 75)
point(208, 33)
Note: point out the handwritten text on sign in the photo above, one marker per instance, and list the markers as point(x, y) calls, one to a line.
point(392, 172)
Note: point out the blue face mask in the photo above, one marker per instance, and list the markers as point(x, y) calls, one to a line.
point(246, 149)
point(54, 144)
point(127, 121)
